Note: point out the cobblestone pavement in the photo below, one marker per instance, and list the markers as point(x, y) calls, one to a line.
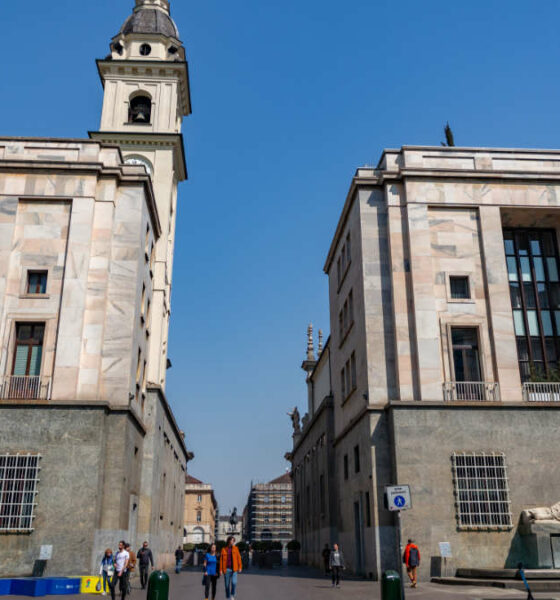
point(305, 584)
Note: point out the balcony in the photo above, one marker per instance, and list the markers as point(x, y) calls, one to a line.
point(541, 391)
point(19, 387)
point(471, 391)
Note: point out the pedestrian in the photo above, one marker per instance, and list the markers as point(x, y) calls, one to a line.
point(121, 565)
point(107, 570)
point(211, 572)
point(131, 566)
point(179, 555)
point(411, 559)
point(336, 564)
point(145, 558)
point(230, 567)
point(326, 554)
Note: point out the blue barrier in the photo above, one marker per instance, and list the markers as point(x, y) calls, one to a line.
point(63, 586)
point(5, 587)
point(29, 587)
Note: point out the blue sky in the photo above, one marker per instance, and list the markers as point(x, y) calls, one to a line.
point(289, 97)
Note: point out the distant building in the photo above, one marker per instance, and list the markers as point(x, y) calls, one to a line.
point(200, 512)
point(441, 371)
point(269, 511)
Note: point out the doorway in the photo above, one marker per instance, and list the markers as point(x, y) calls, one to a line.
point(358, 536)
point(555, 543)
point(466, 363)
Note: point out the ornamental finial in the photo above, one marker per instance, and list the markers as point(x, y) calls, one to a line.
point(161, 4)
point(320, 347)
point(310, 351)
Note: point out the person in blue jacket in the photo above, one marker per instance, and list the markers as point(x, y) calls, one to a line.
point(211, 572)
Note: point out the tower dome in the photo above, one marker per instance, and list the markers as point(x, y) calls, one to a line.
point(151, 17)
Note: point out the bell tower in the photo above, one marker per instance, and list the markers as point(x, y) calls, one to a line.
point(146, 95)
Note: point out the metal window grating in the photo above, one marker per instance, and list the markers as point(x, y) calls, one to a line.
point(481, 490)
point(19, 475)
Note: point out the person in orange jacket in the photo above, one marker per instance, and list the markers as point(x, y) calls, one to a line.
point(230, 566)
point(411, 559)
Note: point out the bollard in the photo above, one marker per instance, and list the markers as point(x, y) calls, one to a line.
point(158, 586)
point(390, 586)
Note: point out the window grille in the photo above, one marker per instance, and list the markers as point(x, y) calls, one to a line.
point(481, 490)
point(19, 475)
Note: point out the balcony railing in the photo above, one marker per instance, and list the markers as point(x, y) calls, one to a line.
point(541, 391)
point(19, 387)
point(471, 391)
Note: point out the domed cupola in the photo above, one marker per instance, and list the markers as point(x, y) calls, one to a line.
point(151, 16)
point(149, 33)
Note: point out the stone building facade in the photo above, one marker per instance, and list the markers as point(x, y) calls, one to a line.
point(443, 358)
point(270, 511)
point(200, 512)
point(90, 451)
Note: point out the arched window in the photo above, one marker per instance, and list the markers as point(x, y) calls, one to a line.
point(140, 109)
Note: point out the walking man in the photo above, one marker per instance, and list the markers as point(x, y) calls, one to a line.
point(145, 558)
point(326, 554)
point(179, 555)
point(230, 566)
point(336, 564)
point(411, 559)
point(122, 558)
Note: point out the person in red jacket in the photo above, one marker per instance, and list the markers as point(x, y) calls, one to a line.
point(411, 559)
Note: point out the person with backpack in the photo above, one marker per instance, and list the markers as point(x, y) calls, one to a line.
point(411, 559)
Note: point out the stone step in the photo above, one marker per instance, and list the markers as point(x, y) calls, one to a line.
point(507, 573)
point(537, 585)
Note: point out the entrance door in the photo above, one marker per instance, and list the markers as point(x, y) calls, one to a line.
point(466, 362)
point(555, 542)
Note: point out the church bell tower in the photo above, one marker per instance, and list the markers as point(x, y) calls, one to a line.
point(146, 95)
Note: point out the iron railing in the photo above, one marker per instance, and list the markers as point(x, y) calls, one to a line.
point(20, 387)
point(541, 391)
point(471, 391)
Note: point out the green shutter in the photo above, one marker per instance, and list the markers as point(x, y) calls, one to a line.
point(35, 364)
point(20, 365)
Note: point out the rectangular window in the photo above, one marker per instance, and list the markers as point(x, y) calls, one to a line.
point(322, 493)
point(368, 511)
point(19, 475)
point(459, 287)
point(198, 517)
point(28, 351)
point(346, 466)
point(348, 251)
point(36, 282)
point(356, 459)
point(343, 384)
point(532, 264)
point(353, 370)
point(481, 490)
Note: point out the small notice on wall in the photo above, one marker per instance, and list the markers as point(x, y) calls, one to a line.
point(445, 550)
point(45, 553)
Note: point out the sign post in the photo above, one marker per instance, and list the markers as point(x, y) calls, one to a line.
point(397, 498)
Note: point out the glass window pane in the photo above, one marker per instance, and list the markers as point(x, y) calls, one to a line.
point(550, 348)
point(459, 286)
point(522, 243)
point(519, 323)
point(20, 363)
point(515, 294)
point(552, 269)
point(533, 322)
point(539, 268)
point(535, 246)
point(508, 244)
point(525, 269)
point(548, 243)
point(557, 319)
point(512, 268)
point(546, 322)
point(522, 350)
point(543, 295)
point(554, 295)
point(529, 292)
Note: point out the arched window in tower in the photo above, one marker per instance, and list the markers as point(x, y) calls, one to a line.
point(140, 109)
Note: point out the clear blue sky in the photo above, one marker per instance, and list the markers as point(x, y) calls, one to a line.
point(289, 97)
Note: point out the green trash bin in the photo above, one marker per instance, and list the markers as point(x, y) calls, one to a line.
point(158, 586)
point(391, 586)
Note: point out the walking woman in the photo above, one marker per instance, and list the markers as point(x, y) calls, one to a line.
point(211, 572)
point(336, 564)
point(107, 569)
point(230, 566)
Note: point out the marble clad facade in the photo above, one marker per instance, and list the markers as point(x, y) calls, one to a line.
point(86, 243)
point(438, 354)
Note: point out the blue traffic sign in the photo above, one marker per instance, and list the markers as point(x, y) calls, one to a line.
point(400, 501)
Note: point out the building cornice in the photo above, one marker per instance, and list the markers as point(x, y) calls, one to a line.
point(154, 140)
